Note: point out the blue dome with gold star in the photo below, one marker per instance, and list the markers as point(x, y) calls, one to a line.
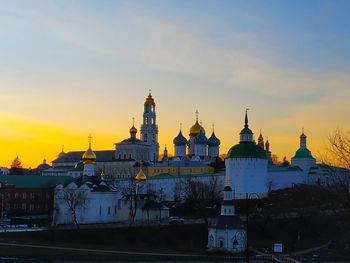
point(180, 139)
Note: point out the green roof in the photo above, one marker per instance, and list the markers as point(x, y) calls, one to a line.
point(246, 150)
point(246, 130)
point(303, 153)
point(34, 181)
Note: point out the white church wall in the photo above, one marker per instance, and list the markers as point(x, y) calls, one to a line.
point(223, 239)
point(248, 175)
point(284, 179)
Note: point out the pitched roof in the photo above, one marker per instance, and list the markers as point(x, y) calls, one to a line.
point(75, 156)
point(228, 222)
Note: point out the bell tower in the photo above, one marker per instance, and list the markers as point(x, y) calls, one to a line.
point(149, 127)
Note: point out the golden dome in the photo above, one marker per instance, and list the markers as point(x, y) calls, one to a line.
point(195, 129)
point(140, 177)
point(149, 99)
point(89, 156)
point(133, 130)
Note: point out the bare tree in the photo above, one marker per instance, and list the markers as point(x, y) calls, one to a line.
point(130, 193)
point(75, 199)
point(201, 196)
point(338, 149)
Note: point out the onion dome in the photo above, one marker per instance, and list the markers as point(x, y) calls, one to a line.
point(140, 177)
point(89, 156)
point(180, 139)
point(149, 99)
point(213, 140)
point(195, 129)
point(133, 130)
point(201, 139)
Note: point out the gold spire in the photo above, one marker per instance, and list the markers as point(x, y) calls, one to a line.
point(140, 177)
point(133, 130)
point(89, 156)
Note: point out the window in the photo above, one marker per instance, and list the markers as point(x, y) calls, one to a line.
point(221, 243)
point(100, 210)
point(16, 195)
point(32, 195)
point(24, 206)
point(124, 156)
point(24, 195)
point(129, 156)
point(115, 209)
point(15, 206)
point(120, 156)
point(31, 207)
point(109, 210)
point(47, 195)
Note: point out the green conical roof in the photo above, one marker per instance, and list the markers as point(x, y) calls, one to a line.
point(303, 153)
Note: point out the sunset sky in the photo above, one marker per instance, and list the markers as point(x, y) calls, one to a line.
point(70, 68)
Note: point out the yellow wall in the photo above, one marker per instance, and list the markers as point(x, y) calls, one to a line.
point(152, 171)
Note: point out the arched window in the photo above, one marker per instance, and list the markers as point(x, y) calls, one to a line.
point(221, 243)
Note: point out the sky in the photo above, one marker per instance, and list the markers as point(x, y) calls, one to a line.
point(71, 68)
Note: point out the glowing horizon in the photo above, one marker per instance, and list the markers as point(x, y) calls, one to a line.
point(69, 69)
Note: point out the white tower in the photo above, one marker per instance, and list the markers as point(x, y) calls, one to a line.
point(246, 164)
point(149, 128)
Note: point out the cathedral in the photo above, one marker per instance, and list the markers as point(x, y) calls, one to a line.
point(192, 156)
point(199, 147)
point(248, 164)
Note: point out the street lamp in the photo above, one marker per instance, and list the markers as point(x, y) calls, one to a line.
point(248, 196)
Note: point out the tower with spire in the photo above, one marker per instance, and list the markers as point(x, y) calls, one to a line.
point(303, 157)
point(246, 165)
point(89, 159)
point(227, 232)
point(261, 141)
point(149, 127)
